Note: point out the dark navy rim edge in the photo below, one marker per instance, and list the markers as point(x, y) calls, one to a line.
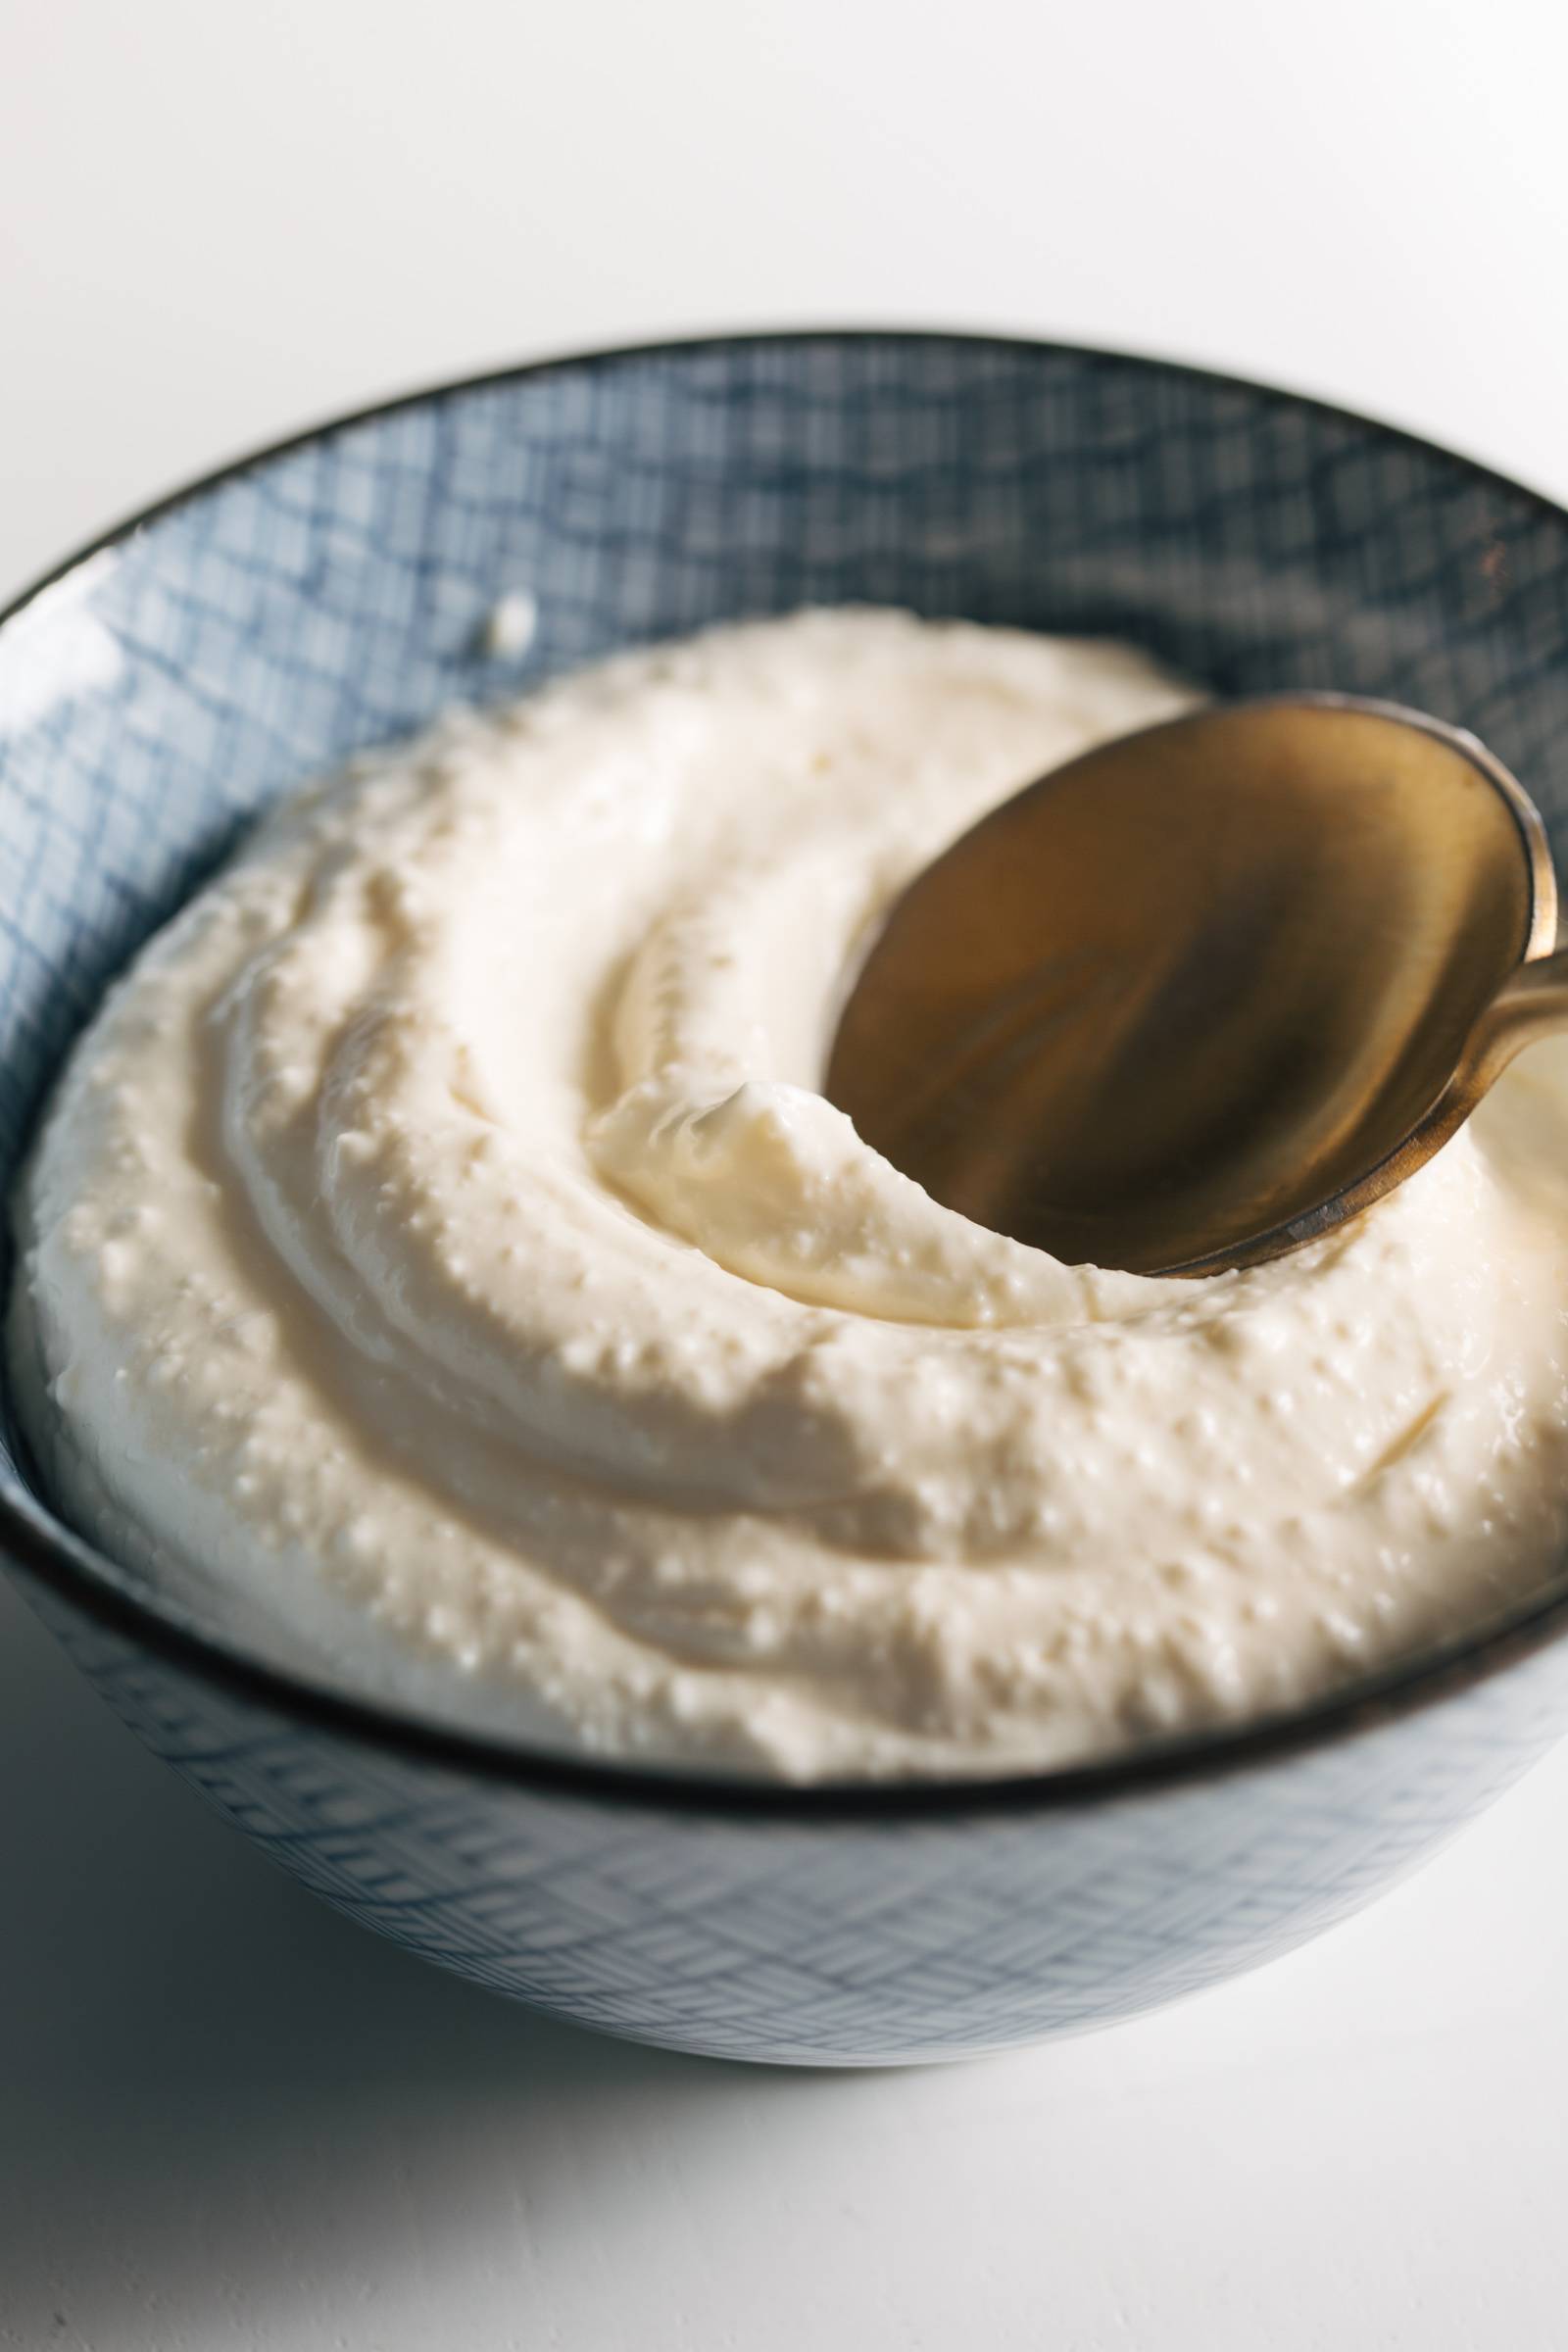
point(1362, 1708)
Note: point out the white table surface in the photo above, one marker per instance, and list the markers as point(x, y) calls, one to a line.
point(226, 2118)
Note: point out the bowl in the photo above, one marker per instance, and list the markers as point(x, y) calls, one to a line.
point(339, 590)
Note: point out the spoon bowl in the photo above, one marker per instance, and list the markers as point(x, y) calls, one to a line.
point(1211, 989)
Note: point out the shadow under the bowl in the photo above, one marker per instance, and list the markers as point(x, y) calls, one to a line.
point(202, 2062)
point(225, 2111)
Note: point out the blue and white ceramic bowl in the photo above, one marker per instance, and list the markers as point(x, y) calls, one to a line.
point(336, 592)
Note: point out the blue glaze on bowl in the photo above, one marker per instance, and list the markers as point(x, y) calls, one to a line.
point(335, 593)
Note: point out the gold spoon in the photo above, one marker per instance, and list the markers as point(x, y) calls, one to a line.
point(1204, 993)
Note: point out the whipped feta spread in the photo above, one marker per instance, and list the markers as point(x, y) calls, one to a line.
point(438, 1256)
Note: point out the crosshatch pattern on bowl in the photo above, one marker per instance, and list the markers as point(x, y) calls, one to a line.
point(837, 1942)
point(334, 594)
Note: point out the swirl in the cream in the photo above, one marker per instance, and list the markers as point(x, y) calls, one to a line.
point(439, 1245)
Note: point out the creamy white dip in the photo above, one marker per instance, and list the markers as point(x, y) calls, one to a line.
point(439, 1245)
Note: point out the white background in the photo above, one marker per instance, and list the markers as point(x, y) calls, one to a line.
point(226, 2119)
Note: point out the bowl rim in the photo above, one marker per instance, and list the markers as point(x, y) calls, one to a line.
point(1350, 1711)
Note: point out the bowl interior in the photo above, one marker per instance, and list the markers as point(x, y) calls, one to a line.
point(339, 592)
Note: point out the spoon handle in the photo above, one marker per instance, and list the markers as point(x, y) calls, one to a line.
point(1529, 1006)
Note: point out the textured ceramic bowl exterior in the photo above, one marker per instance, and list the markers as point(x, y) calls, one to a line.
point(337, 591)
